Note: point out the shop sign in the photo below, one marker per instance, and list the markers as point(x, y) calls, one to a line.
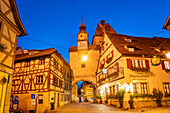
point(104, 71)
point(155, 61)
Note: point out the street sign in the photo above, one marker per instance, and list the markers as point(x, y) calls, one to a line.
point(32, 96)
point(16, 97)
point(33, 102)
point(15, 105)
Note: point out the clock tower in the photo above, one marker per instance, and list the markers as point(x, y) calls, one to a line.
point(82, 41)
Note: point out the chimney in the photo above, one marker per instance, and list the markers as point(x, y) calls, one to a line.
point(25, 50)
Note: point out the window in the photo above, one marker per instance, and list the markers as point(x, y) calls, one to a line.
point(27, 64)
point(131, 49)
point(135, 88)
point(144, 88)
point(60, 83)
point(40, 98)
point(64, 97)
point(83, 65)
point(134, 63)
point(166, 87)
point(141, 63)
point(113, 89)
point(42, 61)
point(13, 82)
point(166, 64)
point(110, 88)
point(128, 40)
point(40, 79)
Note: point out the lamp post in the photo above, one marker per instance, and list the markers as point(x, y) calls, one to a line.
point(84, 58)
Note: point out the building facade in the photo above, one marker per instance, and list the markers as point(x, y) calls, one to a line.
point(87, 91)
point(10, 28)
point(68, 78)
point(136, 65)
point(39, 73)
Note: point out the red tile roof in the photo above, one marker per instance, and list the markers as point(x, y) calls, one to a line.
point(167, 23)
point(41, 53)
point(103, 27)
point(144, 46)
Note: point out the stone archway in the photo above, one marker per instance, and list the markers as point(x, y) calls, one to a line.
point(94, 89)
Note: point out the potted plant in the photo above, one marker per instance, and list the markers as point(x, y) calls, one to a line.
point(120, 96)
point(158, 95)
point(99, 97)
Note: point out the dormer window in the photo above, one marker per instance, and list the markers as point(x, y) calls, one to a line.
point(31, 53)
point(130, 49)
point(128, 40)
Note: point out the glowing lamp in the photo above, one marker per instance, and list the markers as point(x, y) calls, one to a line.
point(84, 58)
point(168, 55)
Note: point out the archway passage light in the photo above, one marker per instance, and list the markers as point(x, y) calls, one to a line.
point(168, 55)
point(84, 58)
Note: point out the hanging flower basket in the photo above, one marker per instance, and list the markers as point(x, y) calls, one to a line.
point(167, 70)
point(2, 47)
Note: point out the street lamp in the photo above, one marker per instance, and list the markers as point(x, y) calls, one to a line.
point(168, 55)
point(84, 58)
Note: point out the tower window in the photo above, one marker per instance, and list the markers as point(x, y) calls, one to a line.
point(83, 65)
point(81, 35)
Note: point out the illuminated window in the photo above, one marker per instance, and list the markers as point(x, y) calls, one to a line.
point(131, 49)
point(141, 63)
point(144, 88)
point(135, 88)
point(167, 66)
point(42, 61)
point(40, 79)
point(166, 87)
point(27, 64)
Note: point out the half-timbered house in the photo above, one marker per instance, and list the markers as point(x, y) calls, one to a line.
point(39, 72)
point(10, 28)
point(136, 65)
point(68, 78)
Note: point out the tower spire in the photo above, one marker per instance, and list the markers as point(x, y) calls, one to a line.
point(82, 19)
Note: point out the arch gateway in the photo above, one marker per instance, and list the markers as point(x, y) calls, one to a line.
point(84, 58)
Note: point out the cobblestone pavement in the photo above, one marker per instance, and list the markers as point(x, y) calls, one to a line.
point(101, 108)
point(88, 108)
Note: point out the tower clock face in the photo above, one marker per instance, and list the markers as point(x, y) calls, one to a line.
point(82, 45)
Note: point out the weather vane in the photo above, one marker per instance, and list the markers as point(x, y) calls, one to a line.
point(82, 19)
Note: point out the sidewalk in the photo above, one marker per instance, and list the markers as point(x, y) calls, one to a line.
point(151, 110)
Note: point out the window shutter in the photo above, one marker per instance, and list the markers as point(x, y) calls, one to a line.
point(117, 67)
point(147, 64)
point(106, 57)
point(163, 65)
point(128, 63)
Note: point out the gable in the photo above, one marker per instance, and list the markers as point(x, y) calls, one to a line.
point(9, 10)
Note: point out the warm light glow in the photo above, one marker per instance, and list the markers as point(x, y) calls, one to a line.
point(84, 58)
point(168, 55)
point(82, 90)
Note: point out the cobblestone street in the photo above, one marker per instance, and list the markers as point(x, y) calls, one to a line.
point(101, 108)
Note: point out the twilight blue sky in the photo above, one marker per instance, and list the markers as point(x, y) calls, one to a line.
point(57, 21)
